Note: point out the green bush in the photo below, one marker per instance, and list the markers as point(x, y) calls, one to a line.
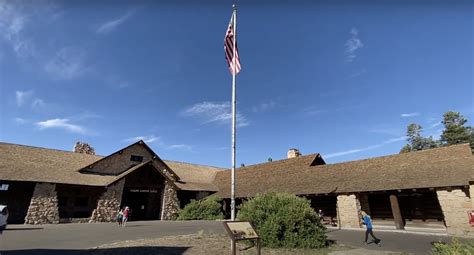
point(455, 248)
point(284, 220)
point(205, 209)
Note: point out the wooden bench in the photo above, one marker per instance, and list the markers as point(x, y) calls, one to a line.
point(328, 220)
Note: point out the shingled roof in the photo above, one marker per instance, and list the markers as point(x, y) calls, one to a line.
point(194, 177)
point(441, 167)
point(27, 163)
point(35, 164)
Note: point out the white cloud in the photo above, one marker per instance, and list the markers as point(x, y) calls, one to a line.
point(358, 73)
point(436, 134)
point(180, 147)
point(412, 114)
point(18, 18)
point(86, 115)
point(116, 82)
point(146, 139)
point(110, 25)
point(212, 112)
point(37, 103)
point(387, 130)
point(263, 107)
point(61, 124)
point(23, 96)
point(20, 120)
point(67, 64)
point(352, 45)
point(12, 24)
point(314, 110)
point(435, 125)
point(342, 153)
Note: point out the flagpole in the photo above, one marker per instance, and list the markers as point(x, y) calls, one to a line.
point(234, 129)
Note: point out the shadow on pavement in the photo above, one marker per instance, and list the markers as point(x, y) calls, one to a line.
point(107, 251)
point(16, 229)
point(135, 226)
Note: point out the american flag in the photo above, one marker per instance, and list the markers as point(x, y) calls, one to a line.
point(229, 49)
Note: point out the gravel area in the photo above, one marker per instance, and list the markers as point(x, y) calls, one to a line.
point(207, 244)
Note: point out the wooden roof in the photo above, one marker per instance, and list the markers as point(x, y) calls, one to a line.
point(440, 167)
point(27, 163)
point(194, 177)
point(35, 164)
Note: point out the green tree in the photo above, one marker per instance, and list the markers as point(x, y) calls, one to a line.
point(454, 130)
point(416, 142)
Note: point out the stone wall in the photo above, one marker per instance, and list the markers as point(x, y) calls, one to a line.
point(43, 207)
point(471, 190)
point(170, 203)
point(348, 211)
point(109, 203)
point(455, 204)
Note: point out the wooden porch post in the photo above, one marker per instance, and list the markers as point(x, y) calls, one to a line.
point(397, 215)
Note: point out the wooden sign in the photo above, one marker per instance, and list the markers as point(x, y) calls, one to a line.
point(241, 230)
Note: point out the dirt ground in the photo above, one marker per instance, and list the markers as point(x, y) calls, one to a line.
point(205, 244)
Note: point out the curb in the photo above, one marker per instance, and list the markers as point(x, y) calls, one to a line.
point(394, 231)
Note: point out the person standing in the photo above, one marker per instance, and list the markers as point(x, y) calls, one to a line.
point(367, 221)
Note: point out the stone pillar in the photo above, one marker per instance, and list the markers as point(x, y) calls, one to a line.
point(170, 203)
point(397, 215)
point(364, 203)
point(109, 203)
point(471, 191)
point(43, 207)
point(348, 211)
point(455, 204)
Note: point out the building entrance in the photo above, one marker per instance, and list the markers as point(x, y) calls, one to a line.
point(142, 193)
point(144, 204)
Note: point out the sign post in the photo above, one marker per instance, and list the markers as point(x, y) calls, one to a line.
point(241, 230)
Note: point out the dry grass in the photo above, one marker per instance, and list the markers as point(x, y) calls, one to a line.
point(197, 244)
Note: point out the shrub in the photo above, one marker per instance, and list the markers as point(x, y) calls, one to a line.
point(208, 208)
point(455, 248)
point(284, 220)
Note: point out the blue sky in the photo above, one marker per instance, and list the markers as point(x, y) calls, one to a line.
point(335, 77)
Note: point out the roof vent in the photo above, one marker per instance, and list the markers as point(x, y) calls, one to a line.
point(293, 153)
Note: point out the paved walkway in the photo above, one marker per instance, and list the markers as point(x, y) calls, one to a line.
point(71, 239)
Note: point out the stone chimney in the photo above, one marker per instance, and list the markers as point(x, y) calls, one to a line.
point(81, 147)
point(293, 153)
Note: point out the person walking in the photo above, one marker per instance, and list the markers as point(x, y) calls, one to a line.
point(367, 221)
point(126, 213)
point(120, 217)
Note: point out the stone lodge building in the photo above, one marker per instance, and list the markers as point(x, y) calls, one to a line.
point(427, 188)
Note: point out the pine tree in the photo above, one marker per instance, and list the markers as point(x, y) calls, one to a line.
point(455, 131)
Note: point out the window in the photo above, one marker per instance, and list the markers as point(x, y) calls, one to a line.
point(136, 158)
